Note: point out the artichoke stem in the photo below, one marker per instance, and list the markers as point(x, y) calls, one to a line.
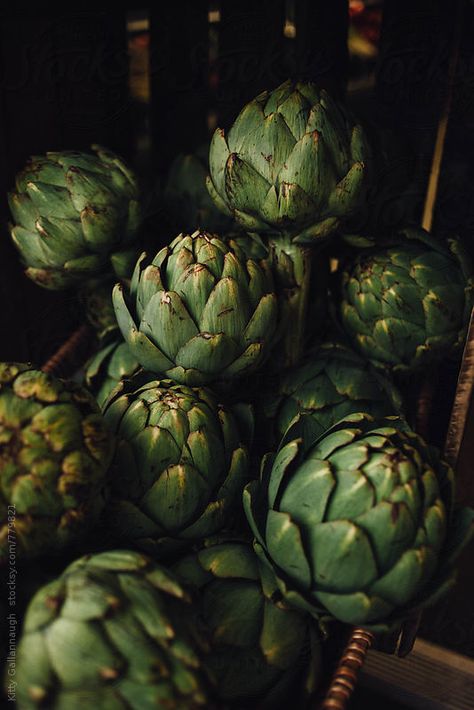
point(292, 269)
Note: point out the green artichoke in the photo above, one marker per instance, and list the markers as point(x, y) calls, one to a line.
point(113, 631)
point(186, 198)
point(180, 463)
point(358, 524)
point(72, 212)
point(111, 364)
point(294, 161)
point(199, 311)
point(54, 455)
point(332, 382)
point(259, 647)
point(408, 305)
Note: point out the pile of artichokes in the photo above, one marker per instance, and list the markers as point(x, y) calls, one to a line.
point(238, 475)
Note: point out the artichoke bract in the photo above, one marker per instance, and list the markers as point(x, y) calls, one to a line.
point(71, 212)
point(111, 364)
point(54, 456)
point(181, 462)
point(358, 525)
point(259, 646)
point(332, 382)
point(408, 305)
point(199, 311)
point(294, 161)
point(186, 197)
point(113, 631)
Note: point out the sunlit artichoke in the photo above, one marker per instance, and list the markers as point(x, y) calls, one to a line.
point(358, 524)
point(408, 305)
point(294, 161)
point(72, 211)
point(261, 650)
point(181, 462)
point(54, 455)
point(187, 201)
point(199, 311)
point(332, 382)
point(113, 631)
point(111, 364)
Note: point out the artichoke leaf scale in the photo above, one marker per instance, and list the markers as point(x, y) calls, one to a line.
point(271, 100)
point(23, 211)
point(354, 496)
point(250, 116)
point(401, 583)
point(310, 168)
point(435, 526)
point(268, 147)
point(195, 286)
point(207, 353)
point(248, 361)
point(73, 664)
point(150, 283)
point(88, 189)
point(209, 252)
point(51, 201)
point(286, 549)
point(359, 608)
point(294, 205)
point(341, 556)
point(239, 176)
point(262, 325)
point(177, 262)
point(308, 496)
point(443, 312)
point(207, 456)
point(176, 497)
point(146, 352)
point(391, 530)
point(287, 456)
point(227, 310)
point(339, 155)
point(159, 323)
point(295, 111)
point(154, 450)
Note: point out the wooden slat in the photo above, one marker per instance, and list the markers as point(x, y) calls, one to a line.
point(431, 678)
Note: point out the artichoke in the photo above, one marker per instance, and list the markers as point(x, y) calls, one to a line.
point(111, 364)
point(199, 311)
point(359, 524)
point(186, 198)
point(72, 212)
point(408, 305)
point(258, 645)
point(332, 382)
point(54, 456)
point(180, 464)
point(113, 631)
point(294, 161)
